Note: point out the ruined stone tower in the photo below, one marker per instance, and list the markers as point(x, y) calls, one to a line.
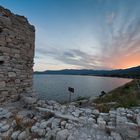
point(17, 43)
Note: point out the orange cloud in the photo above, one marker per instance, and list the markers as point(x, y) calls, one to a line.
point(123, 61)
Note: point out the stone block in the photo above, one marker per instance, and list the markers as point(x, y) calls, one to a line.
point(11, 74)
point(2, 84)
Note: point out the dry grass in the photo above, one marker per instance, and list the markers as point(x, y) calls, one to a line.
point(19, 121)
point(47, 115)
point(6, 138)
point(127, 96)
point(21, 124)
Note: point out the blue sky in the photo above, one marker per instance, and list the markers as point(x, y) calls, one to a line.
point(77, 34)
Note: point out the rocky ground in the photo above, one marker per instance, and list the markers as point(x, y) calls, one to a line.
point(34, 119)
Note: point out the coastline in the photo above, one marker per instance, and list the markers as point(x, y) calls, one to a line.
point(132, 72)
point(85, 75)
point(33, 118)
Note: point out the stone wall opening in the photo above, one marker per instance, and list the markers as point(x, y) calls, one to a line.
point(1, 58)
point(1, 62)
point(1, 30)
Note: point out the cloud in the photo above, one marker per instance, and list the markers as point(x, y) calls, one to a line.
point(71, 56)
point(79, 58)
point(117, 33)
point(47, 52)
point(117, 51)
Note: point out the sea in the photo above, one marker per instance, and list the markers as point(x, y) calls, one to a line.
point(55, 87)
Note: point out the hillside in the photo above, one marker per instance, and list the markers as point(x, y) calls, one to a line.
point(133, 72)
point(127, 95)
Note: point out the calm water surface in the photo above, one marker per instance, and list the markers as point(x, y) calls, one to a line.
point(55, 87)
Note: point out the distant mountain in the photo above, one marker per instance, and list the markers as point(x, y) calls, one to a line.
point(133, 72)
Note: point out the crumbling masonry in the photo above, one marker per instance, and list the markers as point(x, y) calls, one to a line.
point(17, 43)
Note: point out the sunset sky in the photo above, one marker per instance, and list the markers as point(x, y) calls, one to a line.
point(83, 34)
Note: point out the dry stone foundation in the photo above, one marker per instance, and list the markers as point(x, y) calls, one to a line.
point(17, 42)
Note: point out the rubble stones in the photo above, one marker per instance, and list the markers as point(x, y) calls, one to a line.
point(29, 100)
point(138, 119)
point(114, 125)
point(62, 135)
point(4, 113)
point(15, 134)
point(132, 130)
point(116, 136)
point(22, 136)
point(4, 128)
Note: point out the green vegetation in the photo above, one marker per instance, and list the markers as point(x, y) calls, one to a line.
point(127, 96)
point(79, 98)
point(103, 107)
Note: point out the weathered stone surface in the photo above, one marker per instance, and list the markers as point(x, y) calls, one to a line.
point(4, 113)
point(101, 123)
point(17, 39)
point(116, 136)
point(132, 130)
point(62, 135)
point(71, 137)
point(15, 134)
point(2, 84)
point(96, 112)
point(43, 125)
point(41, 132)
point(138, 119)
point(29, 100)
point(61, 126)
point(63, 123)
point(22, 136)
point(11, 74)
point(4, 128)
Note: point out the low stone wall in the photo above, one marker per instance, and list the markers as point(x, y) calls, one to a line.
point(17, 39)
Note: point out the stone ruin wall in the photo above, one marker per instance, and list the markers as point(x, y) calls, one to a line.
point(17, 43)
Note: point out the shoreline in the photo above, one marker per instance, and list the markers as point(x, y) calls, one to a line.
point(36, 119)
point(87, 97)
point(86, 75)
